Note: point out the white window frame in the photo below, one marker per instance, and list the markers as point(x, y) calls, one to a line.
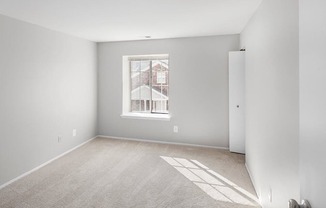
point(126, 96)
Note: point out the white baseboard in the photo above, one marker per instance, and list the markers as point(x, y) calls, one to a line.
point(162, 142)
point(44, 164)
point(253, 182)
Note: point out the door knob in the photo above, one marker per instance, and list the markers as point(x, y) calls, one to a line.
point(294, 204)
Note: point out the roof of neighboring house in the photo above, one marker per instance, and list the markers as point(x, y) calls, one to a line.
point(143, 93)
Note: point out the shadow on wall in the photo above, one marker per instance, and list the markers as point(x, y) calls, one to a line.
point(212, 183)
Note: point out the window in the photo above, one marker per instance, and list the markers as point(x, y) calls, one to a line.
point(146, 86)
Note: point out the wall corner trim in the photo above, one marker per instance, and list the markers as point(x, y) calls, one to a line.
point(253, 183)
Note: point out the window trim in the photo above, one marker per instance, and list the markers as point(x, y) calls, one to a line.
point(146, 116)
point(126, 86)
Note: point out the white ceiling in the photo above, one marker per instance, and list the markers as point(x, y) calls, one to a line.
point(117, 20)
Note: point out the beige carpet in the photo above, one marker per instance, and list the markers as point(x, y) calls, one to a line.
point(115, 173)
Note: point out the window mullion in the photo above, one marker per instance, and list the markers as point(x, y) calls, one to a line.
point(130, 87)
point(140, 85)
point(161, 86)
point(150, 86)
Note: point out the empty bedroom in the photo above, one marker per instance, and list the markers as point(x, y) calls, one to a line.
point(154, 104)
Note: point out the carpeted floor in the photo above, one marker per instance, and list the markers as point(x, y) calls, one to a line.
point(119, 174)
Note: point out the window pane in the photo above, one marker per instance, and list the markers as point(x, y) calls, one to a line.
point(160, 86)
point(140, 86)
point(134, 85)
point(145, 88)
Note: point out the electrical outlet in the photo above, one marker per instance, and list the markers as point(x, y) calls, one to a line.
point(59, 139)
point(74, 132)
point(175, 129)
point(270, 195)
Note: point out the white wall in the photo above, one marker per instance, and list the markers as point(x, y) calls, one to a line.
point(47, 88)
point(272, 90)
point(313, 101)
point(198, 90)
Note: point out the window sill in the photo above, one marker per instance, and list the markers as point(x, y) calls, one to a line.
point(147, 116)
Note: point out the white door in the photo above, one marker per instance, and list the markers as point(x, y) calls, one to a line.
point(237, 101)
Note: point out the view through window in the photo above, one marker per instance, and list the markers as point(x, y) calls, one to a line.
point(149, 84)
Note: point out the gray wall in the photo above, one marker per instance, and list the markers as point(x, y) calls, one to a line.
point(313, 101)
point(272, 90)
point(48, 83)
point(198, 90)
